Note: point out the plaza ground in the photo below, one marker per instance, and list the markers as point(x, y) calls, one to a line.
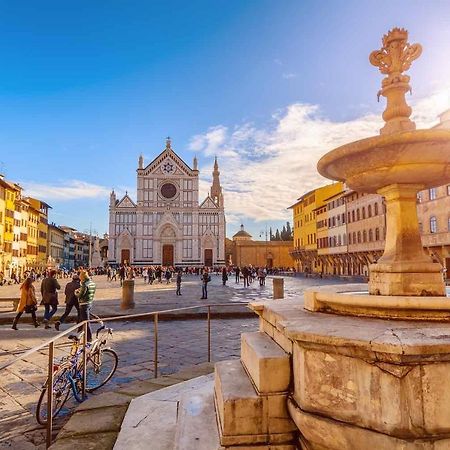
point(182, 343)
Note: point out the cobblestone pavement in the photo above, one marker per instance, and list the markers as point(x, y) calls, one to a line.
point(182, 343)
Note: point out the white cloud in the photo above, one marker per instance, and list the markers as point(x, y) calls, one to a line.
point(264, 170)
point(289, 75)
point(65, 190)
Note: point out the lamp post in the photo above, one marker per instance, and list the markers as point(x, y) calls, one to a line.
point(261, 234)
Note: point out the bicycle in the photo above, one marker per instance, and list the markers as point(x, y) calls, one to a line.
point(101, 364)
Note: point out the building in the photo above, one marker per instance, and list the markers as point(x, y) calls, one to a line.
point(11, 192)
point(32, 237)
point(305, 226)
point(42, 208)
point(242, 250)
point(69, 247)
point(433, 209)
point(3, 187)
point(55, 246)
point(167, 225)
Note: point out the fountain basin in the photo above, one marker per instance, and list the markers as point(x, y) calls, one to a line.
point(355, 300)
point(421, 157)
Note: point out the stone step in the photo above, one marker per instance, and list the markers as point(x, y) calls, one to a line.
point(245, 417)
point(151, 419)
point(197, 425)
point(266, 362)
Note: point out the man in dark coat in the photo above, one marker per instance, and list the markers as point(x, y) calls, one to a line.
point(71, 300)
point(49, 286)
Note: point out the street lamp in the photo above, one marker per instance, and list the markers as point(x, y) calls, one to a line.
point(261, 234)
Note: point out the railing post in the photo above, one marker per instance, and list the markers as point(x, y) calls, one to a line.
point(85, 328)
point(209, 333)
point(155, 336)
point(51, 350)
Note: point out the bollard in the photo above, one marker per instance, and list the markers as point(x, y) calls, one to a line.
point(127, 295)
point(278, 288)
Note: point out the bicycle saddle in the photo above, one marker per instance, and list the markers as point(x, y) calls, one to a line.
point(73, 337)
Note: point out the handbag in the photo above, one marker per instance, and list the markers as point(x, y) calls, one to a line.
point(30, 308)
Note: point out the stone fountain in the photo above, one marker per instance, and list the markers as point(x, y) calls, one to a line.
point(348, 367)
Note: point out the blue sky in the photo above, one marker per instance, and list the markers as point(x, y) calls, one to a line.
point(268, 86)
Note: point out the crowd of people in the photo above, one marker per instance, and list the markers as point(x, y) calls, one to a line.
point(79, 292)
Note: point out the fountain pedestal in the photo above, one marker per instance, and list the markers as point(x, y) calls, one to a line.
point(404, 268)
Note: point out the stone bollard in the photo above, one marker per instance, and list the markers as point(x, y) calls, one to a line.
point(127, 295)
point(278, 288)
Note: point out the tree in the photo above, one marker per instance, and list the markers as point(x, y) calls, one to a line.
point(277, 235)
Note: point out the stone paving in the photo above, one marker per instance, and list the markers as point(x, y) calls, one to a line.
point(182, 344)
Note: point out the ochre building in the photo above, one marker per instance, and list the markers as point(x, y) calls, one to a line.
point(242, 250)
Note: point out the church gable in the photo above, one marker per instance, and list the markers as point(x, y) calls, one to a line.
point(126, 202)
point(168, 163)
point(208, 203)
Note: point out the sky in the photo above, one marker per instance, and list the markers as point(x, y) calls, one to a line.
point(267, 86)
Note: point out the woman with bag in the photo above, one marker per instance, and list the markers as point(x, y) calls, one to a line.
point(27, 303)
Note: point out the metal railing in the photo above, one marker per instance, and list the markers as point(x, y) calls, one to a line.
point(51, 348)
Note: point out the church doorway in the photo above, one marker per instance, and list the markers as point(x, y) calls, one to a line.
point(125, 256)
point(167, 255)
point(208, 257)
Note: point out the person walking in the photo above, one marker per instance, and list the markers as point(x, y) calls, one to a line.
point(205, 280)
point(71, 300)
point(122, 274)
point(49, 286)
point(237, 271)
point(168, 275)
point(224, 276)
point(85, 296)
point(245, 274)
point(179, 276)
point(27, 303)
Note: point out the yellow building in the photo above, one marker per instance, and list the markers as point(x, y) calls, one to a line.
point(32, 237)
point(3, 187)
point(305, 226)
point(43, 208)
point(11, 192)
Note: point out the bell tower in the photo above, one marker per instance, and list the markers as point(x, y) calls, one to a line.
point(216, 188)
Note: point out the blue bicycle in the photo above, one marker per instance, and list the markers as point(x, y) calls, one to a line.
point(101, 363)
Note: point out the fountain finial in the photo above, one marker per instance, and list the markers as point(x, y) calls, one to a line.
point(394, 58)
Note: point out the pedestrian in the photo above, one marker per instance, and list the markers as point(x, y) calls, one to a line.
point(237, 272)
point(121, 274)
point(206, 278)
point(245, 274)
point(168, 275)
point(27, 303)
point(179, 275)
point(224, 276)
point(145, 274)
point(71, 300)
point(49, 286)
point(85, 296)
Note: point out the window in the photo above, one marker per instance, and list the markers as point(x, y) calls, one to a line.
point(448, 224)
point(364, 236)
point(370, 235)
point(357, 214)
point(433, 224)
point(419, 197)
point(359, 237)
point(353, 215)
point(363, 212)
point(369, 211)
point(376, 209)
point(432, 193)
point(349, 238)
point(448, 189)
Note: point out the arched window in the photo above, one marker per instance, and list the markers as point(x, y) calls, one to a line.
point(377, 234)
point(354, 237)
point(369, 211)
point(349, 238)
point(359, 237)
point(364, 236)
point(433, 224)
point(376, 209)
point(353, 215)
point(370, 235)
point(357, 214)
point(363, 212)
point(349, 217)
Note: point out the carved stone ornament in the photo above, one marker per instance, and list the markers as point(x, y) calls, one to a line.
point(394, 58)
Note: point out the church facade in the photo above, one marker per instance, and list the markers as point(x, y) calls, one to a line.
point(167, 225)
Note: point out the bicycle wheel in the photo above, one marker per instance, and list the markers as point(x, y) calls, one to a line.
point(61, 391)
point(100, 367)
